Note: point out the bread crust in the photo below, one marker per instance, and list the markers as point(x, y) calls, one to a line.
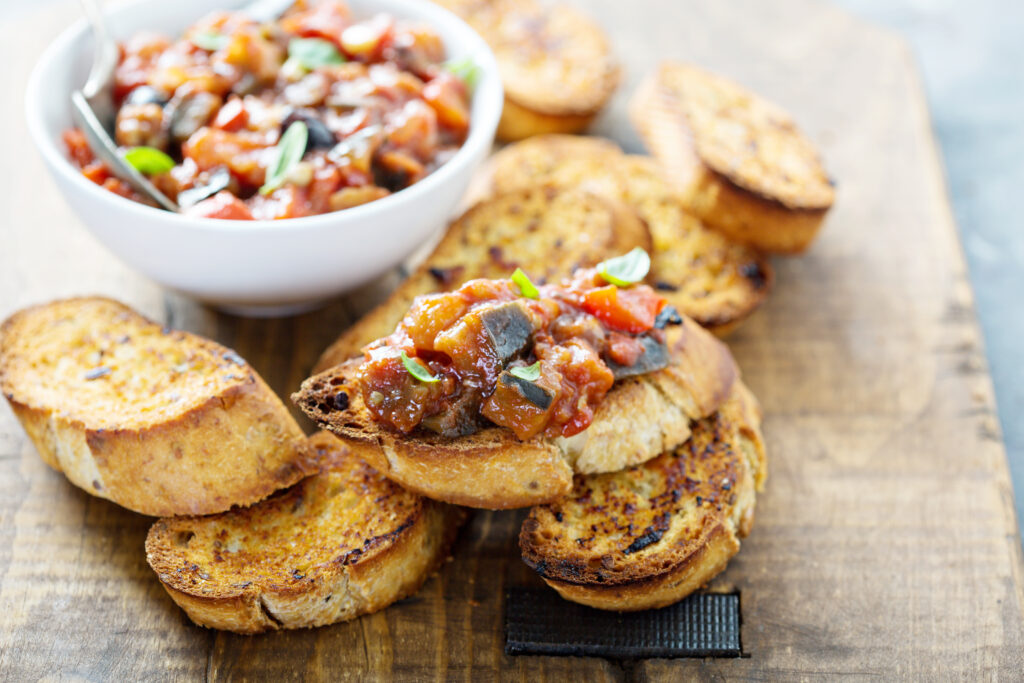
point(704, 274)
point(649, 536)
point(638, 419)
point(751, 218)
point(556, 64)
point(768, 190)
point(545, 230)
point(227, 448)
point(344, 583)
point(518, 122)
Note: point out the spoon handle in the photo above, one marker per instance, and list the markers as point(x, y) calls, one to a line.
point(99, 87)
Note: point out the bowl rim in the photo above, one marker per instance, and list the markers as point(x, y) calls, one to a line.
point(481, 133)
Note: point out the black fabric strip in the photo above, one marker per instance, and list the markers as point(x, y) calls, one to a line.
point(538, 622)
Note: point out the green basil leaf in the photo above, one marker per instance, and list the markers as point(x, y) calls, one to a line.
point(526, 288)
point(210, 40)
point(289, 151)
point(418, 371)
point(465, 69)
point(149, 160)
point(314, 52)
point(531, 373)
point(626, 270)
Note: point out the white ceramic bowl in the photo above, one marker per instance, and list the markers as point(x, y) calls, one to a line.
point(261, 267)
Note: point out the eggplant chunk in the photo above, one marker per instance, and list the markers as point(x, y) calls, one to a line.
point(523, 406)
point(459, 418)
point(217, 180)
point(320, 136)
point(654, 357)
point(668, 316)
point(509, 328)
point(189, 112)
point(531, 391)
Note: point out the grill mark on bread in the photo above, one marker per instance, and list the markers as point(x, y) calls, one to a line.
point(364, 543)
point(613, 545)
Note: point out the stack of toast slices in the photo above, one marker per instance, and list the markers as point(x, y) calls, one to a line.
point(261, 527)
point(169, 424)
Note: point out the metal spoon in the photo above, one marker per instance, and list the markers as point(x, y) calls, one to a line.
point(93, 110)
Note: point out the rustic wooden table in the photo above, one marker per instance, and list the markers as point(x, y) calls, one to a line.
point(885, 544)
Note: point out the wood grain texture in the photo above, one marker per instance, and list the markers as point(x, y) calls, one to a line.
point(885, 544)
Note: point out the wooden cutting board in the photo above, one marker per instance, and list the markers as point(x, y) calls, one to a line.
point(885, 544)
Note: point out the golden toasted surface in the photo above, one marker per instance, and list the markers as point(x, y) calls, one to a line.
point(546, 231)
point(347, 513)
point(701, 272)
point(158, 421)
point(636, 539)
point(556, 64)
point(517, 122)
point(753, 143)
point(99, 362)
point(308, 540)
point(553, 59)
point(638, 419)
point(704, 274)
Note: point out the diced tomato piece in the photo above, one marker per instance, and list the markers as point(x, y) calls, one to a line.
point(629, 310)
point(285, 202)
point(232, 116)
point(422, 40)
point(221, 205)
point(623, 349)
point(244, 153)
point(413, 127)
point(96, 171)
point(326, 180)
point(78, 147)
point(367, 39)
point(326, 20)
point(447, 96)
point(138, 58)
point(118, 187)
point(402, 166)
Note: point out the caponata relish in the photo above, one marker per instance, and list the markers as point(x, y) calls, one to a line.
point(534, 360)
point(381, 108)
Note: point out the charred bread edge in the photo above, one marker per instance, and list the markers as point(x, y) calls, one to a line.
point(657, 590)
point(752, 217)
point(670, 585)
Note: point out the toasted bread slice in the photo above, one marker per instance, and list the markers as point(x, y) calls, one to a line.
point(741, 163)
point(701, 272)
point(651, 535)
point(704, 274)
point(547, 232)
point(158, 421)
point(638, 419)
point(517, 122)
point(339, 544)
point(556, 63)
